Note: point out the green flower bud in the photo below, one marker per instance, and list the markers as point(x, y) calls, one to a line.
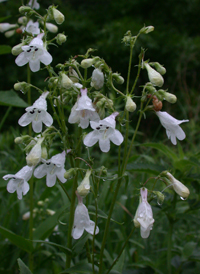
point(18, 140)
point(58, 16)
point(169, 97)
point(34, 156)
point(22, 20)
point(160, 197)
point(73, 75)
point(118, 78)
point(61, 38)
point(44, 153)
point(84, 188)
point(24, 9)
point(130, 104)
point(9, 33)
point(86, 63)
point(146, 30)
point(16, 50)
point(66, 82)
point(51, 27)
point(22, 86)
point(154, 77)
point(159, 68)
point(70, 173)
point(178, 187)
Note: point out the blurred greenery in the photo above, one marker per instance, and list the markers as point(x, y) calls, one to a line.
point(175, 43)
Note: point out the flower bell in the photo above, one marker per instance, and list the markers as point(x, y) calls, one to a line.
point(172, 127)
point(19, 181)
point(144, 215)
point(34, 53)
point(154, 77)
point(104, 131)
point(37, 114)
point(178, 187)
point(97, 79)
point(84, 188)
point(83, 111)
point(52, 168)
point(82, 221)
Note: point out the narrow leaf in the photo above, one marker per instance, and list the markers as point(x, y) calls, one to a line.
point(145, 167)
point(23, 268)
point(81, 268)
point(61, 247)
point(164, 149)
point(11, 98)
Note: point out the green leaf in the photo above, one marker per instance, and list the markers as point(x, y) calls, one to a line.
point(17, 240)
point(188, 249)
point(23, 268)
point(61, 247)
point(120, 263)
point(164, 149)
point(4, 49)
point(145, 167)
point(11, 98)
point(46, 227)
point(80, 268)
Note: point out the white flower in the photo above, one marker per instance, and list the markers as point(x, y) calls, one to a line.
point(7, 26)
point(144, 215)
point(35, 155)
point(83, 111)
point(178, 187)
point(19, 181)
point(82, 221)
point(104, 132)
point(32, 27)
point(52, 168)
point(51, 27)
point(37, 114)
point(33, 54)
point(84, 188)
point(154, 77)
point(97, 79)
point(58, 16)
point(33, 4)
point(172, 127)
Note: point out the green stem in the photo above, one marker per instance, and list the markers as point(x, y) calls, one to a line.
point(138, 73)
point(129, 68)
point(5, 116)
point(169, 247)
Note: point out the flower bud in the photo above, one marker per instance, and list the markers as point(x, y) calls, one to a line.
point(146, 30)
point(61, 38)
point(66, 82)
point(86, 63)
point(9, 33)
point(34, 156)
point(97, 79)
point(44, 154)
point(169, 97)
point(51, 27)
point(16, 50)
point(50, 212)
point(24, 9)
point(22, 20)
point(160, 197)
point(40, 203)
point(26, 216)
point(6, 26)
point(159, 68)
point(118, 78)
point(154, 77)
point(73, 75)
point(84, 188)
point(70, 173)
point(22, 86)
point(58, 16)
point(130, 104)
point(18, 140)
point(178, 187)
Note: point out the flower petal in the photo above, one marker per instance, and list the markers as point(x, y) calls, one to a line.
point(77, 232)
point(25, 119)
point(46, 58)
point(40, 171)
point(21, 60)
point(37, 126)
point(47, 119)
point(34, 65)
point(25, 188)
point(11, 186)
point(104, 145)
point(84, 122)
point(50, 179)
point(60, 175)
point(116, 137)
point(91, 138)
point(90, 228)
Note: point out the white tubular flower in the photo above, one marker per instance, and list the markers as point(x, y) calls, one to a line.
point(19, 181)
point(32, 28)
point(34, 4)
point(6, 26)
point(178, 187)
point(33, 54)
point(83, 111)
point(34, 156)
point(51, 27)
point(52, 168)
point(84, 188)
point(104, 132)
point(172, 127)
point(58, 16)
point(154, 77)
point(144, 215)
point(82, 222)
point(97, 79)
point(37, 114)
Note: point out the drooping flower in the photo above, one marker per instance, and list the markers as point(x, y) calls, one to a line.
point(37, 114)
point(34, 53)
point(35, 155)
point(32, 27)
point(178, 187)
point(104, 132)
point(144, 215)
point(84, 188)
point(52, 168)
point(19, 181)
point(83, 111)
point(7, 26)
point(172, 127)
point(34, 4)
point(97, 79)
point(82, 221)
point(154, 77)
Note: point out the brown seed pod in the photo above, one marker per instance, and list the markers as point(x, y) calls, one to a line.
point(157, 104)
point(19, 31)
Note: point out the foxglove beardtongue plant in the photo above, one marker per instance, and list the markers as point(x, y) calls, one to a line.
point(172, 127)
point(52, 168)
point(37, 114)
point(144, 215)
point(178, 187)
point(83, 111)
point(104, 132)
point(33, 54)
point(19, 181)
point(82, 221)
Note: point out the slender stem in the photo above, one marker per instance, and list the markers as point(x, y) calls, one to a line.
point(5, 116)
point(129, 69)
point(169, 247)
point(138, 74)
